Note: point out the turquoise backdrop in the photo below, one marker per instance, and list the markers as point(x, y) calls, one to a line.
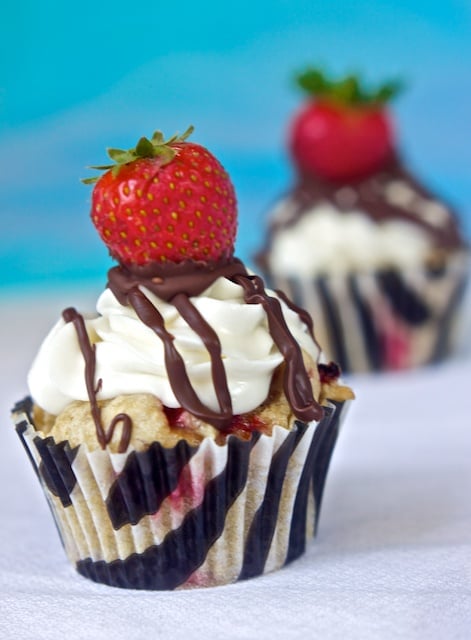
point(78, 78)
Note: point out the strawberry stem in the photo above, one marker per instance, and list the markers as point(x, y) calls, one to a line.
point(145, 148)
point(349, 90)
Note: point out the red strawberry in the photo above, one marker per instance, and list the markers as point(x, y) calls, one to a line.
point(165, 201)
point(342, 132)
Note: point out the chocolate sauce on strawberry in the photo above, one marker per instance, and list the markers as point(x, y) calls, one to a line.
point(166, 279)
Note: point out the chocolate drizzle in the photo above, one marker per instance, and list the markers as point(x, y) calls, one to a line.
point(390, 193)
point(88, 351)
point(176, 284)
point(296, 383)
point(211, 341)
point(166, 280)
point(178, 377)
point(304, 315)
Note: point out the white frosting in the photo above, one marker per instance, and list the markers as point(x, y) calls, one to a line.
point(130, 356)
point(325, 240)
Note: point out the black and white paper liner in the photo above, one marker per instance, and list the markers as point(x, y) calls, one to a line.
point(187, 516)
point(384, 320)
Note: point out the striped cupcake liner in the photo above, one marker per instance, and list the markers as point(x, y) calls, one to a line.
point(185, 517)
point(384, 320)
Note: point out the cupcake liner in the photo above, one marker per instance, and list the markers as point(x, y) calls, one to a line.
point(185, 516)
point(387, 319)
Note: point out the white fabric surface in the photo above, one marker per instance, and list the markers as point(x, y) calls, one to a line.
point(392, 558)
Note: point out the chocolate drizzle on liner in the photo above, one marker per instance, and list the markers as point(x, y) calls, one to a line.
point(176, 284)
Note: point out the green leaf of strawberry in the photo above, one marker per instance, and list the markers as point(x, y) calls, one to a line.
point(145, 148)
point(343, 131)
point(348, 90)
point(165, 201)
point(119, 156)
point(157, 147)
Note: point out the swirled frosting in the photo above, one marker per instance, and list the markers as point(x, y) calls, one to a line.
point(387, 219)
point(130, 357)
point(326, 240)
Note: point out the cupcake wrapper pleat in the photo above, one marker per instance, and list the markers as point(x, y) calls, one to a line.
point(385, 319)
point(185, 516)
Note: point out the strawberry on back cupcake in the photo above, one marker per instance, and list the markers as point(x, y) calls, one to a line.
point(342, 131)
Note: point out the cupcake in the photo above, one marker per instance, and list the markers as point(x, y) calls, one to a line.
point(376, 258)
point(182, 434)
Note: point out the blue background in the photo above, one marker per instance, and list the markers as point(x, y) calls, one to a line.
point(74, 81)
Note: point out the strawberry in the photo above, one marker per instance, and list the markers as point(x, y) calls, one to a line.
point(165, 201)
point(343, 131)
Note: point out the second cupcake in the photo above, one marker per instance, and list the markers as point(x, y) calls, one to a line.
point(377, 259)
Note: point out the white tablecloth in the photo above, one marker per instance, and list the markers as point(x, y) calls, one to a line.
point(392, 558)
